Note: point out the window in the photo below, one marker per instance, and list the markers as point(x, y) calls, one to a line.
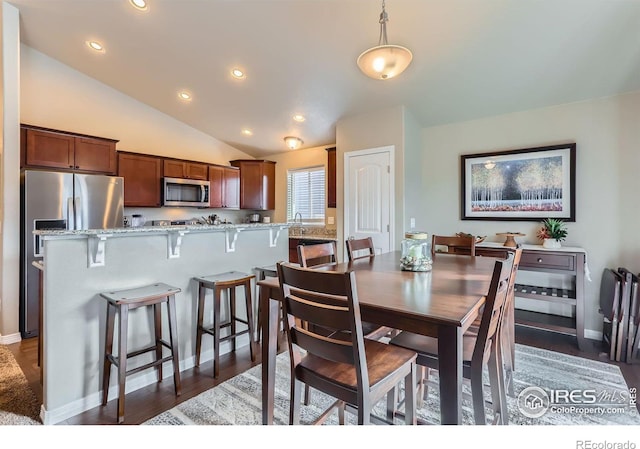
point(306, 194)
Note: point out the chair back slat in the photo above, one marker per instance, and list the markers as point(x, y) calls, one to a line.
point(493, 307)
point(314, 300)
point(360, 248)
point(467, 244)
point(317, 254)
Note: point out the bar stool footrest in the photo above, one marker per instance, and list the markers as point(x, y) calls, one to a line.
point(149, 365)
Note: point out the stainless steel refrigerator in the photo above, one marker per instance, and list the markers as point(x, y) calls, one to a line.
point(56, 200)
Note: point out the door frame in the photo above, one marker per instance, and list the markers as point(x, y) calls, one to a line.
point(390, 149)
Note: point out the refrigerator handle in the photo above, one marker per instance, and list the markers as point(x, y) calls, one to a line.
point(71, 214)
point(78, 212)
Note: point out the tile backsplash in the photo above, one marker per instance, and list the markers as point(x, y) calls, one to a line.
point(295, 230)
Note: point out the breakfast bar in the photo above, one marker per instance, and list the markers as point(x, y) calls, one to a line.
point(79, 265)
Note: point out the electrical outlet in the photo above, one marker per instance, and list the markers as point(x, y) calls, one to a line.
point(412, 223)
point(330, 220)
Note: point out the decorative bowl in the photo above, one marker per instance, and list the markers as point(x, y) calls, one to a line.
point(479, 238)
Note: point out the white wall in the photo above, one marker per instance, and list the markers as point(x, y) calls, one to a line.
point(56, 96)
point(372, 130)
point(9, 173)
point(607, 135)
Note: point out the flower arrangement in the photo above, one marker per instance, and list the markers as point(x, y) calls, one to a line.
point(553, 228)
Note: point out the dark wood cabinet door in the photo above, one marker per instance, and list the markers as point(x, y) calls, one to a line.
point(49, 149)
point(257, 184)
point(142, 179)
point(95, 155)
point(231, 188)
point(196, 171)
point(331, 177)
point(174, 168)
point(216, 186)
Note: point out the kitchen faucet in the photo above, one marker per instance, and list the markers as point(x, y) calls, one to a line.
point(295, 218)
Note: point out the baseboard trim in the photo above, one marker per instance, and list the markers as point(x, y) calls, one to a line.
point(593, 335)
point(10, 339)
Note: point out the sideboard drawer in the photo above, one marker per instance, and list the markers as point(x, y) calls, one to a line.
point(556, 261)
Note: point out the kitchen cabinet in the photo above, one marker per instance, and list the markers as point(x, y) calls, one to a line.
point(224, 188)
point(45, 148)
point(257, 184)
point(142, 179)
point(175, 168)
point(331, 177)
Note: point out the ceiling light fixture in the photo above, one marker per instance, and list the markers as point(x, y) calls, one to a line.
point(184, 95)
point(384, 61)
point(293, 143)
point(247, 132)
point(299, 118)
point(139, 4)
point(96, 46)
point(237, 73)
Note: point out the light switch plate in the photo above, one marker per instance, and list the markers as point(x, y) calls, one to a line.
point(330, 220)
point(412, 223)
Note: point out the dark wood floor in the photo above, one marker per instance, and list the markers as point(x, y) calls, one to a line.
point(147, 402)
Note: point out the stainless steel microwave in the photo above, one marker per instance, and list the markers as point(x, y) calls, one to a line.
point(185, 192)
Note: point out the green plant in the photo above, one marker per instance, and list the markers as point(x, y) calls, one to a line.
point(553, 228)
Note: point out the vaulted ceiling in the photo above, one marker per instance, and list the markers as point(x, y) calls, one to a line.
point(471, 58)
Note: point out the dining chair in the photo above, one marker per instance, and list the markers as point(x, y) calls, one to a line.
point(356, 371)
point(318, 254)
point(479, 349)
point(323, 255)
point(453, 244)
point(360, 248)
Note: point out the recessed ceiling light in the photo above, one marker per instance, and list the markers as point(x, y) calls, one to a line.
point(247, 132)
point(237, 73)
point(96, 46)
point(184, 95)
point(139, 4)
point(299, 118)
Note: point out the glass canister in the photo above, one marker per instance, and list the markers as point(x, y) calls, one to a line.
point(416, 252)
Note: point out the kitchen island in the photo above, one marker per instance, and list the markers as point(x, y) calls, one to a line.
point(79, 265)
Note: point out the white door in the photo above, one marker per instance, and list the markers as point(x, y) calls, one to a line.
point(369, 196)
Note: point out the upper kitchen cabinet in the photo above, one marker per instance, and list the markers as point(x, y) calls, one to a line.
point(45, 148)
point(331, 177)
point(224, 186)
point(142, 179)
point(257, 184)
point(175, 168)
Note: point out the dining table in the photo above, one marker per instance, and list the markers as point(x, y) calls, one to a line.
point(440, 303)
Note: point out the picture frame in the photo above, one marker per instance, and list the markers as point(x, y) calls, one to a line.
point(528, 184)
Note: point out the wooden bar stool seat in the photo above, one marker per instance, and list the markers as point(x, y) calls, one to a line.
point(227, 282)
point(123, 301)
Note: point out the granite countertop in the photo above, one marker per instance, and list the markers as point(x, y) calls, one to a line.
point(161, 229)
point(314, 237)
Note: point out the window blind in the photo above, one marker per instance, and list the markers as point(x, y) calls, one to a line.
point(306, 194)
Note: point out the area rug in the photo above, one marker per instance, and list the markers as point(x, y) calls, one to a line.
point(596, 394)
point(18, 402)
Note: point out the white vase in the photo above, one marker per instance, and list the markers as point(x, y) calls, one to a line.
point(551, 243)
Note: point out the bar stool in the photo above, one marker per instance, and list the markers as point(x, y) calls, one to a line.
point(263, 272)
point(122, 301)
point(219, 283)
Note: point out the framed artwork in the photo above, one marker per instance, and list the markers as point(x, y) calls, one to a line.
point(529, 184)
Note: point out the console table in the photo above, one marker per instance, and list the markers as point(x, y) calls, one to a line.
point(567, 262)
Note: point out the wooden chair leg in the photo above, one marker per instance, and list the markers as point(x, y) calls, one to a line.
point(232, 316)
point(477, 394)
point(392, 403)
point(201, 295)
point(157, 337)
point(294, 405)
point(341, 407)
point(307, 394)
point(108, 351)
point(122, 359)
point(173, 341)
point(410, 416)
point(216, 331)
point(249, 302)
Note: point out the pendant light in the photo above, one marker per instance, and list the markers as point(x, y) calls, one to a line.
point(384, 61)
